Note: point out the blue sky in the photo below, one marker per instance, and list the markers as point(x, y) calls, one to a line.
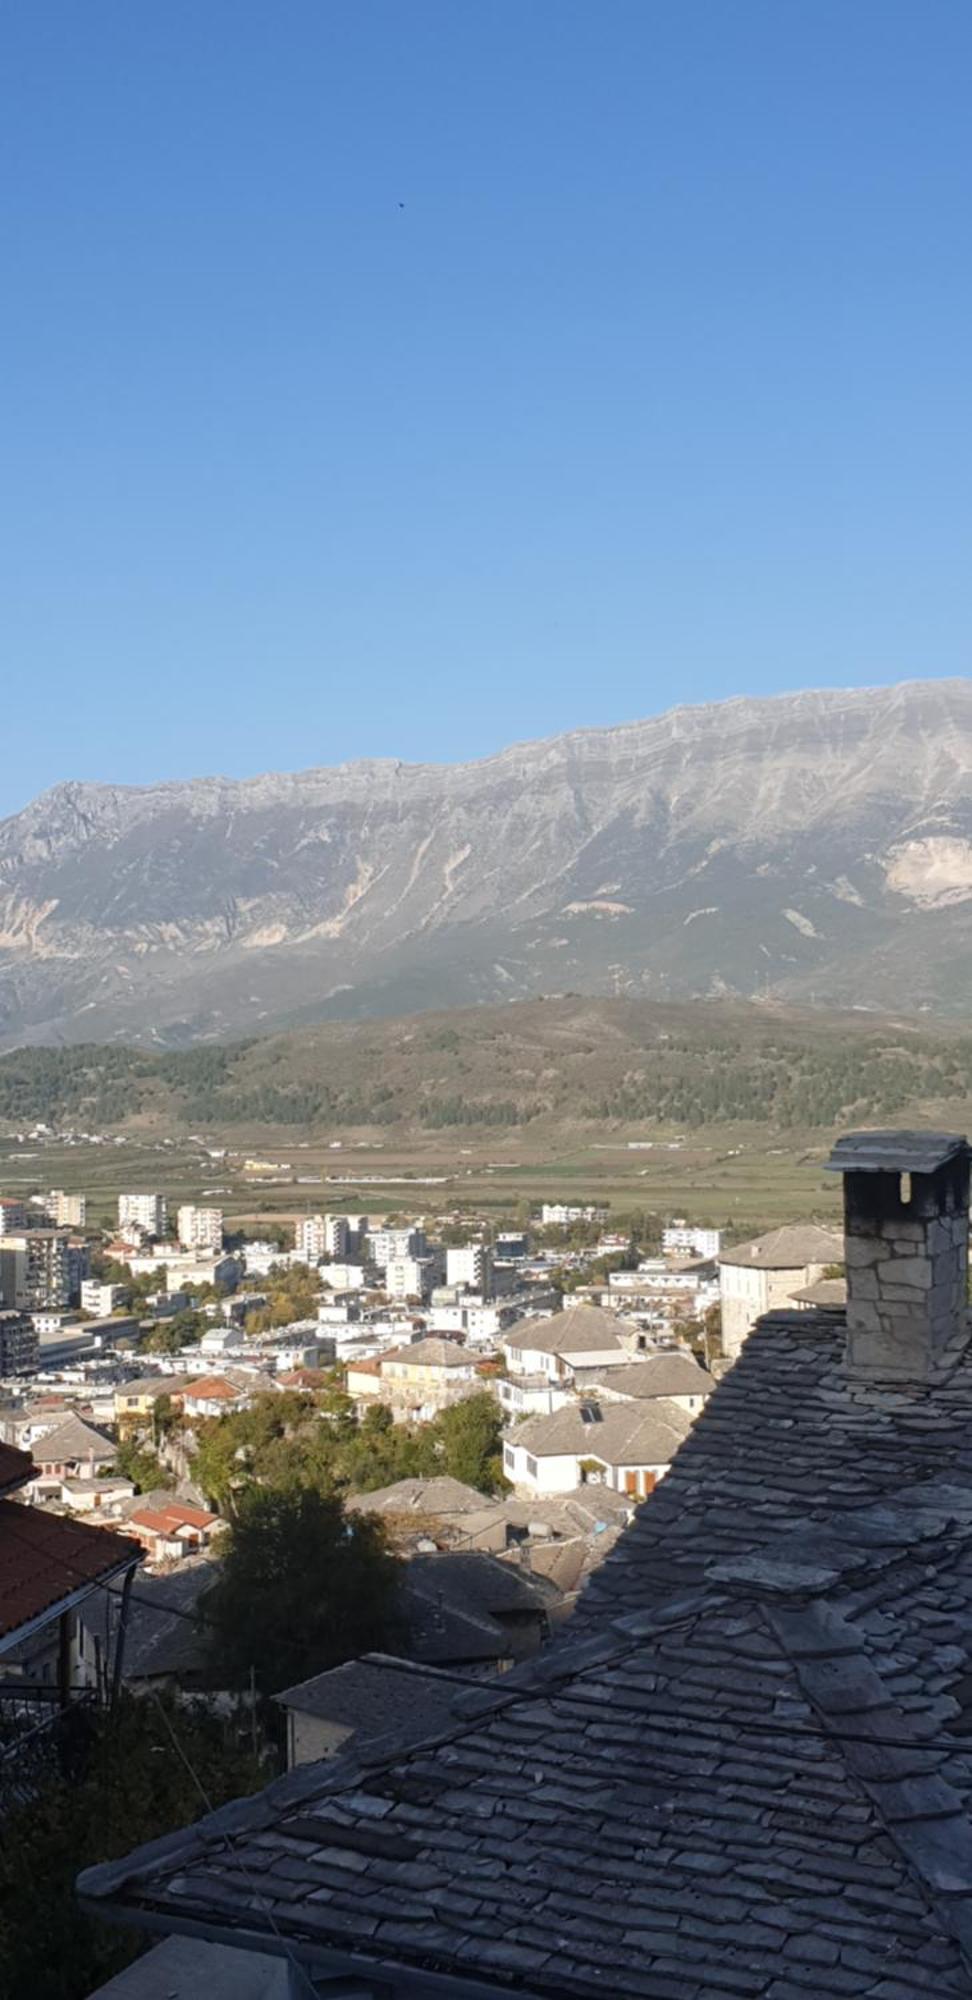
point(404, 378)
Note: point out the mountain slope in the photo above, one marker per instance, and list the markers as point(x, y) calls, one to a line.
point(545, 1064)
point(813, 846)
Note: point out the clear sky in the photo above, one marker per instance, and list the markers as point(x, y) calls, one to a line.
point(407, 377)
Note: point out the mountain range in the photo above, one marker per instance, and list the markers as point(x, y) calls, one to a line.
point(811, 848)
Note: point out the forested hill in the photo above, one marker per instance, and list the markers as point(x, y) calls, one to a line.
point(543, 1062)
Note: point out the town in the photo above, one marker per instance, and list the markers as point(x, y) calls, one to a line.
point(508, 1391)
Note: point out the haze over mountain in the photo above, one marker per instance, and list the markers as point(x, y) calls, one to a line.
point(812, 847)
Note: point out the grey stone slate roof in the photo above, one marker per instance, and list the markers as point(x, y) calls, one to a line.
point(788, 1249)
point(420, 1496)
point(895, 1152)
point(743, 1773)
point(579, 1330)
point(72, 1439)
point(650, 1376)
point(376, 1694)
point(636, 1433)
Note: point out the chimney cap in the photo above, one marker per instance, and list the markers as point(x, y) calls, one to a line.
point(895, 1152)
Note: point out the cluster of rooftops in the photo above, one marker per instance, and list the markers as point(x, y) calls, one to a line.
point(742, 1772)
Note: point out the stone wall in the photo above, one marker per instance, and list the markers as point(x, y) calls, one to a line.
point(906, 1291)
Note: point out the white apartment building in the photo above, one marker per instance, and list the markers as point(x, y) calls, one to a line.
point(472, 1266)
point(101, 1299)
point(148, 1212)
point(385, 1246)
point(412, 1277)
point(320, 1236)
point(682, 1239)
point(560, 1213)
point(200, 1228)
point(68, 1211)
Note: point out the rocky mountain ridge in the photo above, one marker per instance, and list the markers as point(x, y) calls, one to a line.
point(815, 846)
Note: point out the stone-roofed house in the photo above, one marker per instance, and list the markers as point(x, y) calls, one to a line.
point(364, 1700)
point(580, 1337)
point(757, 1277)
point(743, 1772)
point(73, 1450)
point(626, 1445)
point(676, 1377)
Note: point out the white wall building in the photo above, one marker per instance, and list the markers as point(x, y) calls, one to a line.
point(470, 1265)
point(68, 1211)
point(100, 1298)
point(682, 1239)
point(200, 1228)
point(143, 1211)
point(760, 1276)
point(386, 1246)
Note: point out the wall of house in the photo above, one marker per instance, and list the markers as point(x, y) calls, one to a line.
point(746, 1293)
point(310, 1737)
point(540, 1475)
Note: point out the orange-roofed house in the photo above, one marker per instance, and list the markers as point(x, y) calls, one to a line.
point(173, 1529)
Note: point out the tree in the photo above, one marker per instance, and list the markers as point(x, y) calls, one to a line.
point(136, 1462)
point(122, 1783)
point(303, 1588)
point(470, 1440)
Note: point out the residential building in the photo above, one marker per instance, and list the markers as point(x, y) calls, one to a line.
point(147, 1212)
point(676, 1377)
point(560, 1214)
point(18, 1343)
point(135, 1401)
point(261, 1257)
point(200, 1228)
point(319, 1236)
point(385, 1246)
point(347, 1277)
point(744, 1768)
point(72, 1450)
point(215, 1395)
point(353, 1704)
point(580, 1337)
point(416, 1381)
point(626, 1445)
point(192, 1268)
point(756, 1277)
point(511, 1246)
point(67, 1211)
point(35, 1270)
point(683, 1239)
point(102, 1299)
point(14, 1215)
point(170, 1529)
point(412, 1277)
point(471, 1266)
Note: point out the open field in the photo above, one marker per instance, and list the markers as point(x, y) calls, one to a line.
point(737, 1177)
point(721, 1111)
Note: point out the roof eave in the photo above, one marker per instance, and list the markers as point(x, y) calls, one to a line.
point(16, 1636)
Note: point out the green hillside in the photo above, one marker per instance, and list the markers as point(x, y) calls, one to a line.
point(534, 1064)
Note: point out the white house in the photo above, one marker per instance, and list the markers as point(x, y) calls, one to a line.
point(757, 1277)
point(628, 1446)
point(581, 1337)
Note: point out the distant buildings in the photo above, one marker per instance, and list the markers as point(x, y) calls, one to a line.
point(559, 1214)
point(13, 1215)
point(200, 1228)
point(334, 1236)
point(68, 1211)
point(147, 1212)
point(683, 1240)
point(100, 1298)
point(472, 1266)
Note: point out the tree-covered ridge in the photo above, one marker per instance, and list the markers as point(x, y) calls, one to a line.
point(565, 1059)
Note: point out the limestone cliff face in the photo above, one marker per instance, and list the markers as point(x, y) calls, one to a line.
point(813, 845)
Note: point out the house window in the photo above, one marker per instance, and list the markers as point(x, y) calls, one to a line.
point(509, 1456)
point(531, 1466)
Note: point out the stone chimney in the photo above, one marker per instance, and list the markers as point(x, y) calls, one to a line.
point(906, 1223)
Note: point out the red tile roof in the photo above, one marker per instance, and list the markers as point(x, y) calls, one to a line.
point(45, 1559)
point(212, 1388)
point(166, 1520)
point(15, 1467)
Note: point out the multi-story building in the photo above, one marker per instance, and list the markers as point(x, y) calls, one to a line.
point(560, 1213)
point(759, 1277)
point(102, 1299)
point(412, 1277)
point(682, 1240)
point(13, 1214)
point(18, 1344)
point(385, 1246)
point(472, 1266)
point(67, 1211)
point(148, 1212)
point(320, 1236)
point(200, 1228)
point(35, 1270)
